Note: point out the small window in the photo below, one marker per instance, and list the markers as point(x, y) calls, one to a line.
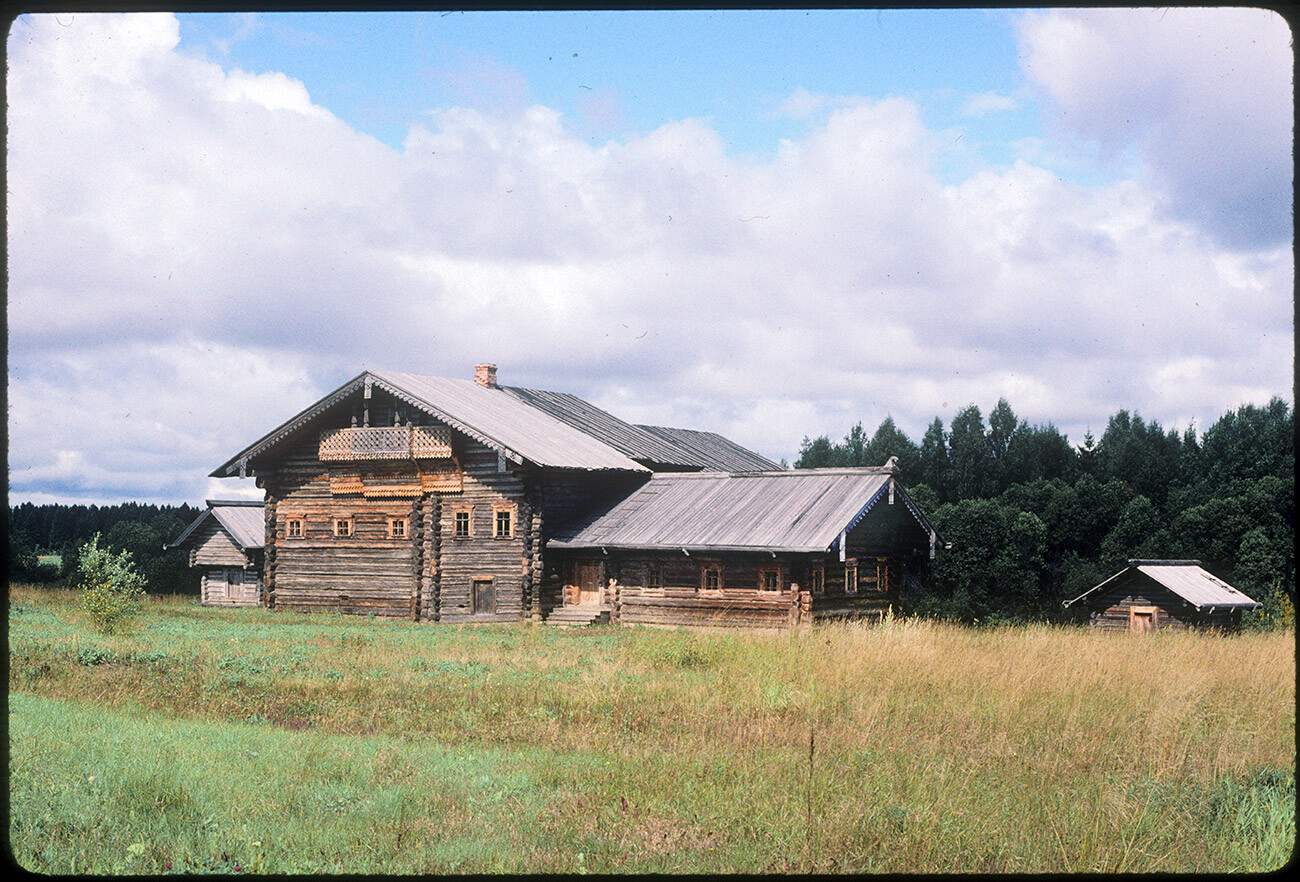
point(503, 523)
point(398, 528)
point(711, 578)
point(293, 528)
point(819, 580)
point(235, 577)
point(461, 524)
point(769, 580)
point(343, 527)
point(851, 577)
point(653, 578)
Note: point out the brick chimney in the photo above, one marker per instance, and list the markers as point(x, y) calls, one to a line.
point(486, 375)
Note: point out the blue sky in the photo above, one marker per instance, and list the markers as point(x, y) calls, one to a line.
point(616, 74)
point(769, 225)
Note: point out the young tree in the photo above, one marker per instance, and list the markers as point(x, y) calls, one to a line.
point(111, 586)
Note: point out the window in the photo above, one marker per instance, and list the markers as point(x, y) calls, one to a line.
point(398, 528)
point(293, 528)
point(343, 527)
point(503, 522)
point(819, 580)
point(851, 577)
point(882, 575)
point(769, 580)
point(461, 524)
point(653, 578)
point(235, 577)
point(711, 577)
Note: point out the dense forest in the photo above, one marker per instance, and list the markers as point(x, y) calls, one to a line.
point(44, 539)
point(1033, 520)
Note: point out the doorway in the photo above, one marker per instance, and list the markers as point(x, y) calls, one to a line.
point(587, 579)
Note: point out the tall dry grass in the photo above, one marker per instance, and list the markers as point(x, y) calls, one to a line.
point(907, 746)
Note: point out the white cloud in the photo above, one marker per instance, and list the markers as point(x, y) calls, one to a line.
point(1203, 95)
point(196, 254)
point(987, 102)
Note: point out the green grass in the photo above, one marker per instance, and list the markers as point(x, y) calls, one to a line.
point(209, 739)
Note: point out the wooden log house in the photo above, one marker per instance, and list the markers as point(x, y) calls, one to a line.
point(444, 500)
point(1151, 595)
point(225, 545)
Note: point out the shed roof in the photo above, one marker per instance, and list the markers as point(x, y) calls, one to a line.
point(802, 510)
point(1187, 579)
point(243, 519)
point(492, 416)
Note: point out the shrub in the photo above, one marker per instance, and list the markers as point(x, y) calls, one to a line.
point(112, 587)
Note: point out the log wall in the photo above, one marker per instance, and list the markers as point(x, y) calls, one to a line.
point(365, 573)
point(680, 600)
point(482, 556)
point(1111, 609)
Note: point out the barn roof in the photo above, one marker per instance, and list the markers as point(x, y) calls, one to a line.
point(649, 444)
point(1185, 578)
point(243, 519)
point(493, 417)
point(802, 510)
point(711, 450)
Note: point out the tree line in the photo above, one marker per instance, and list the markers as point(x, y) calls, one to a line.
point(1034, 520)
point(44, 541)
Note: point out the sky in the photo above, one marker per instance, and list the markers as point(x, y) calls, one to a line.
point(767, 224)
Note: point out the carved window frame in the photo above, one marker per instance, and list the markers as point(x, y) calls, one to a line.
point(456, 521)
point(705, 570)
point(345, 527)
point(775, 574)
point(509, 509)
point(851, 576)
point(289, 521)
point(817, 576)
point(399, 528)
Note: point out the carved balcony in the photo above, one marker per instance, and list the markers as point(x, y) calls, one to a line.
point(385, 443)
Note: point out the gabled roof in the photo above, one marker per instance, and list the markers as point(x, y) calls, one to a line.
point(493, 417)
point(1185, 578)
point(649, 444)
point(801, 510)
point(711, 450)
point(244, 520)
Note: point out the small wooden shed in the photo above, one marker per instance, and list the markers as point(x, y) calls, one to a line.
point(226, 544)
point(1149, 595)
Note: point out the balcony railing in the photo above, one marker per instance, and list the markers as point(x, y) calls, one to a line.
point(385, 442)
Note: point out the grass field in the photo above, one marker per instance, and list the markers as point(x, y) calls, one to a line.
point(240, 740)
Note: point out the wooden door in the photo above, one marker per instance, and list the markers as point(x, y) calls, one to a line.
point(586, 576)
point(1142, 619)
point(483, 597)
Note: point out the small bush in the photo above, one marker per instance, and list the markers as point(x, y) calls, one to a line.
point(93, 655)
point(112, 587)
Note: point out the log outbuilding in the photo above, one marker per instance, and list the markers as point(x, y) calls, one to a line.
point(1150, 595)
point(443, 500)
point(226, 546)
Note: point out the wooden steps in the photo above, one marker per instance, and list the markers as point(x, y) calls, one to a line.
point(576, 616)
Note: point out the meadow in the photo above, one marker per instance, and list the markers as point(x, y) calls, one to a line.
point(224, 740)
